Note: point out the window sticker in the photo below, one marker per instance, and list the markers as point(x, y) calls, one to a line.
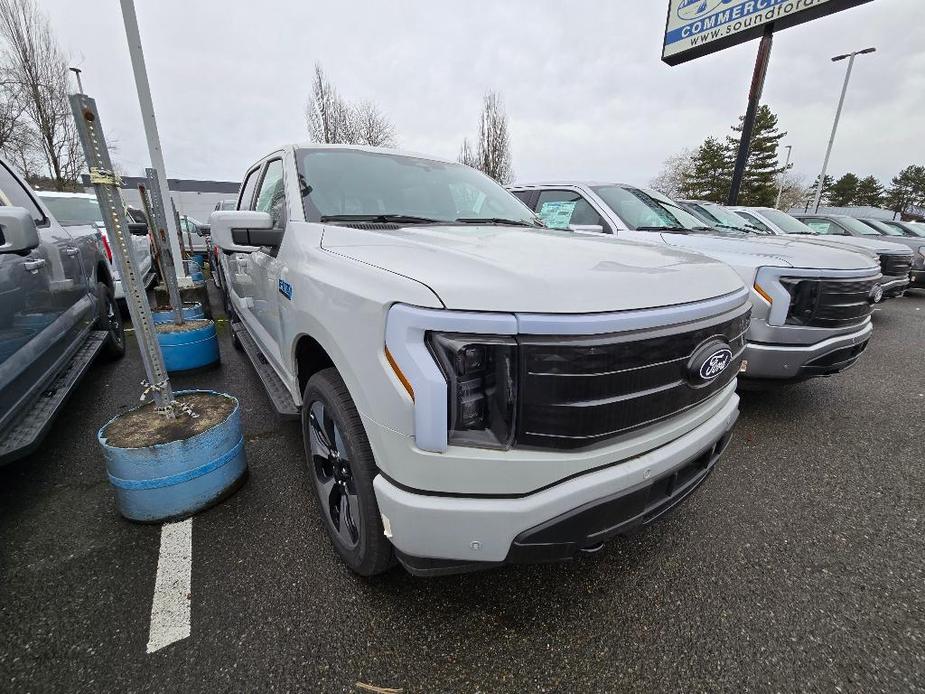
point(557, 215)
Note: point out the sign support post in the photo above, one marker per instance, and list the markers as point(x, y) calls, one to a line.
point(748, 124)
point(158, 224)
point(106, 184)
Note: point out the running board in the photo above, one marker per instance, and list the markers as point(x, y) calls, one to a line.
point(276, 389)
point(28, 430)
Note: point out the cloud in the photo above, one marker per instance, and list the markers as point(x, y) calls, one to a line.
point(584, 87)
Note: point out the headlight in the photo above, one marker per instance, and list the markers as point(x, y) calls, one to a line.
point(804, 298)
point(481, 379)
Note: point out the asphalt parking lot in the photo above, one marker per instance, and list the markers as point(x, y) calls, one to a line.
point(799, 566)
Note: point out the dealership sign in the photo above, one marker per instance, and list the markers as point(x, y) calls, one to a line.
point(698, 27)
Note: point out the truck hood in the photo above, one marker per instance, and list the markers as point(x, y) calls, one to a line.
point(872, 245)
point(496, 268)
point(753, 251)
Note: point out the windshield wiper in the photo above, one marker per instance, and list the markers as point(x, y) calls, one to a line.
point(673, 230)
point(498, 220)
point(381, 218)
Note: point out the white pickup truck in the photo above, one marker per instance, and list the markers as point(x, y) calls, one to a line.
point(474, 388)
point(811, 305)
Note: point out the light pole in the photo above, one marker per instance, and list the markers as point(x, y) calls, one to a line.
point(841, 103)
point(780, 190)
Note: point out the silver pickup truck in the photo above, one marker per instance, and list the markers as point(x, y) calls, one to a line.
point(57, 313)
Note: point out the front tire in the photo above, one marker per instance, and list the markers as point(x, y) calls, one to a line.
point(342, 468)
point(109, 318)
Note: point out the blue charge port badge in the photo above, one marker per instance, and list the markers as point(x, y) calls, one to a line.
point(285, 289)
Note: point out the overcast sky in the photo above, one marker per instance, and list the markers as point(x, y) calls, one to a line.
point(584, 86)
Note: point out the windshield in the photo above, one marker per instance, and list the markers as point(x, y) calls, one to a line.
point(755, 222)
point(723, 216)
point(786, 223)
point(640, 210)
point(884, 229)
point(73, 211)
point(856, 227)
point(355, 185)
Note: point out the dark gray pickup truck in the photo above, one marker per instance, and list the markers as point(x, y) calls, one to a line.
point(57, 313)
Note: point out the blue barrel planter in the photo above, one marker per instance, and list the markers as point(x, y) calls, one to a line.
point(200, 259)
point(195, 272)
point(190, 311)
point(171, 480)
point(34, 321)
point(194, 347)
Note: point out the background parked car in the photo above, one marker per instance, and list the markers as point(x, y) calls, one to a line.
point(718, 216)
point(57, 311)
point(896, 268)
point(80, 213)
point(811, 304)
point(916, 243)
point(913, 229)
point(222, 205)
point(195, 234)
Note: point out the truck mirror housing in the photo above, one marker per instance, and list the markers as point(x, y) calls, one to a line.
point(18, 231)
point(138, 228)
point(243, 231)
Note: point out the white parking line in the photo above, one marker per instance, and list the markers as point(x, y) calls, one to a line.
point(170, 609)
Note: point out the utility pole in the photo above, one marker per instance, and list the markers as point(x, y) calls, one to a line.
point(154, 143)
point(780, 190)
point(748, 124)
point(841, 103)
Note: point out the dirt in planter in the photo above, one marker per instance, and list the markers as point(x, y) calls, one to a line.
point(188, 325)
point(143, 427)
point(168, 307)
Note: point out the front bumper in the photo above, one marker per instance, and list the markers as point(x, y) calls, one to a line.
point(894, 286)
point(438, 534)
point(788, 362)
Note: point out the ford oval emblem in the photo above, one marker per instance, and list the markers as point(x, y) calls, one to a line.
point(715, 363)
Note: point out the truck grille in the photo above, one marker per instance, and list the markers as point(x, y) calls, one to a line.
point(828, 303)
point(895, 265)
point(580, 391)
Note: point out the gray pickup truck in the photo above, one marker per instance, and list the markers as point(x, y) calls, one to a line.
point(57, 313)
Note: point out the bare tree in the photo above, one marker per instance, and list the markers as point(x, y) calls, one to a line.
point(371, 127)
point(467, 154)
point(492, 154)
point(331, 119)
point(670, 180)
point(35, 63)
point(327, 114)
point(795, 190)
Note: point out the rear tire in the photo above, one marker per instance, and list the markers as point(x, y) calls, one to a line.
point(342, 468)
point(109, 318)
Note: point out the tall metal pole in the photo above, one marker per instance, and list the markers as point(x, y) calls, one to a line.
point(748, 124)
point(780, 190)
point(154, 143)
point(841, 102)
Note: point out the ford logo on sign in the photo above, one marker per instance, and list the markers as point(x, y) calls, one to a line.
point(694, 9)
point(708, 362)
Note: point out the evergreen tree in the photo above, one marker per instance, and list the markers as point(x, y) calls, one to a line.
point(708, 177)
point(762, 170)
point(907, 188)
point(870, 192)
point(844, 192)
point(811, 193)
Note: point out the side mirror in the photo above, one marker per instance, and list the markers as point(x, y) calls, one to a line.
point(587, 228)
point(204, 230)
point(243, 231)
point(18, 231)
point(138, 228)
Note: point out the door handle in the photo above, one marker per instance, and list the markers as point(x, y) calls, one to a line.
point(71, 251)
point(34, 266)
